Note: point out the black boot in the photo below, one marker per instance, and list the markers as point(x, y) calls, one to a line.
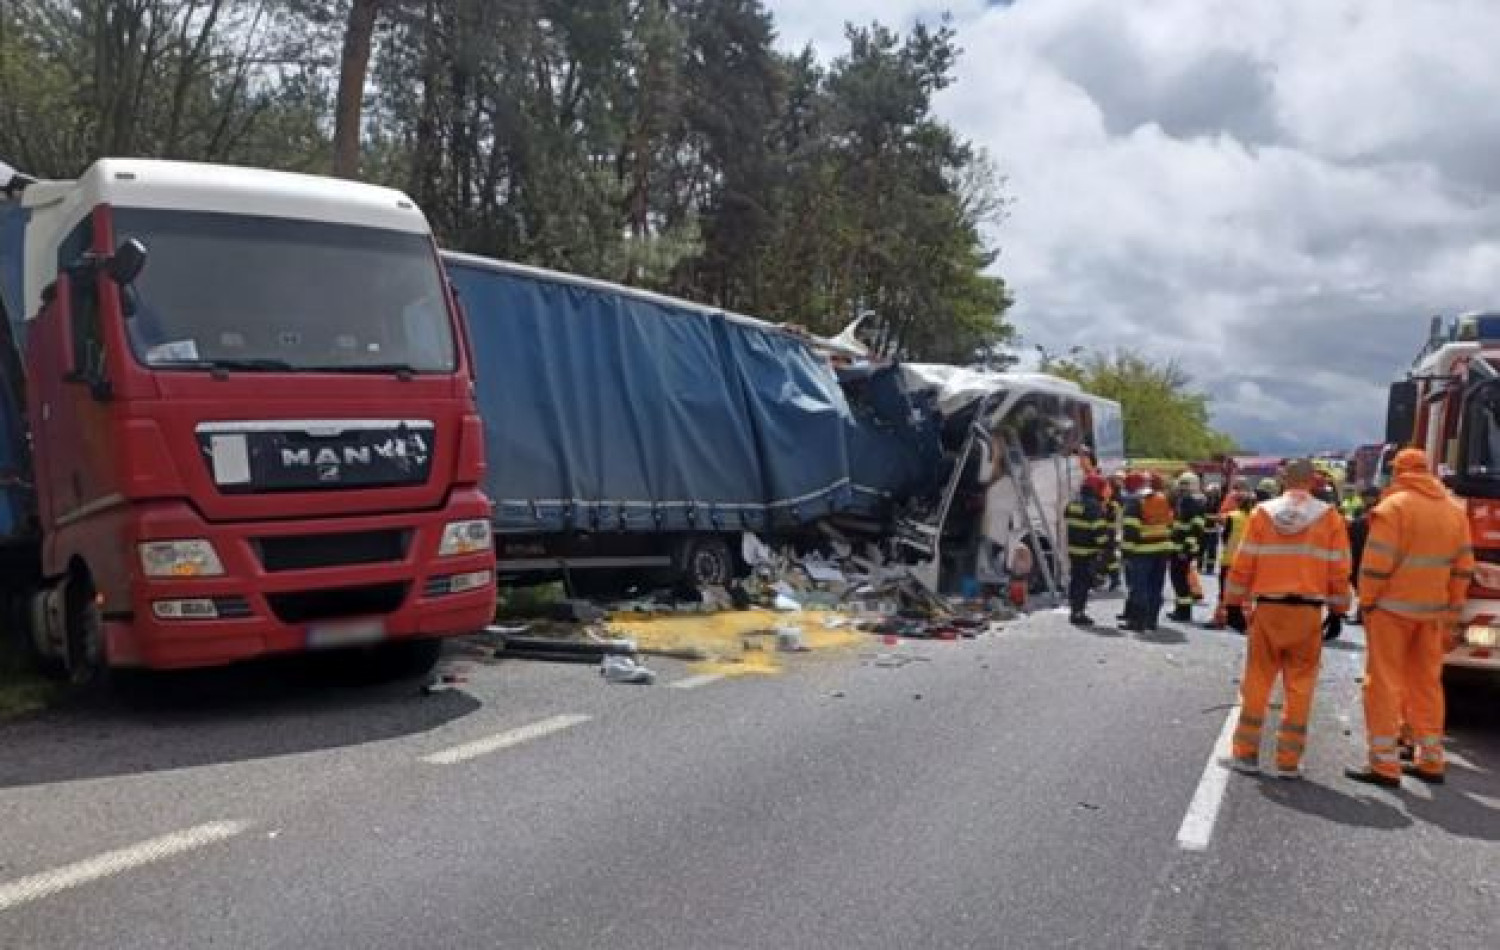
point(1181, 615)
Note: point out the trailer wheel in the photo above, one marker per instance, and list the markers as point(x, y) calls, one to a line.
point(16, 626)
point(707, 562)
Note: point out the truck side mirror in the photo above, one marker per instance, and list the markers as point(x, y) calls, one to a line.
point(1401, 413)
point(126, 264)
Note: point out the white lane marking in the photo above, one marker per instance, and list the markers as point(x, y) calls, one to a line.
point(504, 740)
point(693, 682)
point(1458, 759)
point(1198, 824)
point(47, 883)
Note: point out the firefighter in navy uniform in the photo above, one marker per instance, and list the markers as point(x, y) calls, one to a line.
point(1088, 539)
point(1189, 522)
point(1114, 507)
point(1146, 540)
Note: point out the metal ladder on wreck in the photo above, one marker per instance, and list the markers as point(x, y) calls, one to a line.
point(1039, 527)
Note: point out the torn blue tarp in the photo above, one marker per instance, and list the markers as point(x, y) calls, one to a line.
point(16, 499)
point(610, 409)
point(893, 440)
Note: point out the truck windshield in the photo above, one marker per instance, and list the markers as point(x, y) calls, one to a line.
point(1480, 470)
point(248, 292)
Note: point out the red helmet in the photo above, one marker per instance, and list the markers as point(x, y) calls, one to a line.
point(1135, 481)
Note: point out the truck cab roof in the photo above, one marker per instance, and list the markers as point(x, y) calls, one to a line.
point(53, 208)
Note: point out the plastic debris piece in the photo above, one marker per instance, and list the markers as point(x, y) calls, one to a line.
point(786, 604)
point(789, 640)
point(622, 669)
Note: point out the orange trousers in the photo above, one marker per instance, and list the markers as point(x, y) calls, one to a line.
point(1404, 680)
point(1285, 640)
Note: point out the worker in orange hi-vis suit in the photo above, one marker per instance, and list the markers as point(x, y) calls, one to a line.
point(1293, 564)
point(1413, 580)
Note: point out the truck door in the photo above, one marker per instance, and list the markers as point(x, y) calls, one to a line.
point(70, 369)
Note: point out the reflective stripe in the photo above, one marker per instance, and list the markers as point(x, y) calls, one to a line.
point(1429, 740)
point(1292, 550)
point(1289, 745)
point(1411, 606)
point(1466, 575)
point(1376, 575)
point(1382, 547)
point(1383, 740)
point(1233, 588)
point(1251, 721)
point(1339, 600)
point(1428, 560)
point(1292, 727)
point(1385, 758)
point(1430, 755)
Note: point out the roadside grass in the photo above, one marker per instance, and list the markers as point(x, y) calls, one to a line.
point(21, 689)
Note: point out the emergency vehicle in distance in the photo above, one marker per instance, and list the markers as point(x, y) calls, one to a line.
point(1450, 406)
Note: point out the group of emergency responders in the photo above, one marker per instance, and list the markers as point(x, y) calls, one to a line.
point(1287, 553)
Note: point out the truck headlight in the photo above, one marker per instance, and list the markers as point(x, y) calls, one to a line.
point(194, 558)
point(465, 537)
point(1482, 636)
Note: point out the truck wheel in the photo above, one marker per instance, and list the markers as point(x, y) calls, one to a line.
point(707, 562)
point(87, 660)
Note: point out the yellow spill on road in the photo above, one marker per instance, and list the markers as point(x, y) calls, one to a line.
point(739, 642)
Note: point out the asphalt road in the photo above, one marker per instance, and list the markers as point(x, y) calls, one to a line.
point(1028, 789)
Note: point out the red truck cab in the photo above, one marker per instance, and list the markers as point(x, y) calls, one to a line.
point(252, 421)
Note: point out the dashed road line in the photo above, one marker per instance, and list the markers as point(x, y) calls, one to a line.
point(504, 740)
point(111, 863)
point(693, 682)
point(1197, 827)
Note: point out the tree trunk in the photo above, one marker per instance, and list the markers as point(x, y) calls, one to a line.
point(354, 65)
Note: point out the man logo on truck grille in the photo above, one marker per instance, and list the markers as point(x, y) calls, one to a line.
point(328, 460)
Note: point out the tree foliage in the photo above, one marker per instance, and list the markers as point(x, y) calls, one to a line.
point(663, 143)
point(1164, 416)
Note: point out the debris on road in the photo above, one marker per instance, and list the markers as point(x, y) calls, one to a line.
point(623, 669)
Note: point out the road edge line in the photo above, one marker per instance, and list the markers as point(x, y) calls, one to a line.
point(1197, 828)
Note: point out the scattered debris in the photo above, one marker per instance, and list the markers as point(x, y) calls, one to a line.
point(623, 669)
point(576, 611)
point(789, 640)
point(558, 649)
point(444, 679)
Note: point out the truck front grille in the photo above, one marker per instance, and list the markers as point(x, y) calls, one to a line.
point(303, 552)
point(370, 599)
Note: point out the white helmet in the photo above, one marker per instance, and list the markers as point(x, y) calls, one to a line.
point(1187, 481)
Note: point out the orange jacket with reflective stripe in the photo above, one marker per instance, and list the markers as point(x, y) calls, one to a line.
point(1419, 558)
point(1294, 546)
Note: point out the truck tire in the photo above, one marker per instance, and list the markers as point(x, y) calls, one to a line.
point(87, 659)
point(707, 562)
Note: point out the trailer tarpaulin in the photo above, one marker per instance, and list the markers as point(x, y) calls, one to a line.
point(607, 409)
point(15, 493)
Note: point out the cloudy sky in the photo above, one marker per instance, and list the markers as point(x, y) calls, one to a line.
point(1278, 192)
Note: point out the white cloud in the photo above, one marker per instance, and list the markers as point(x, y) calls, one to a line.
point(1278, 193)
